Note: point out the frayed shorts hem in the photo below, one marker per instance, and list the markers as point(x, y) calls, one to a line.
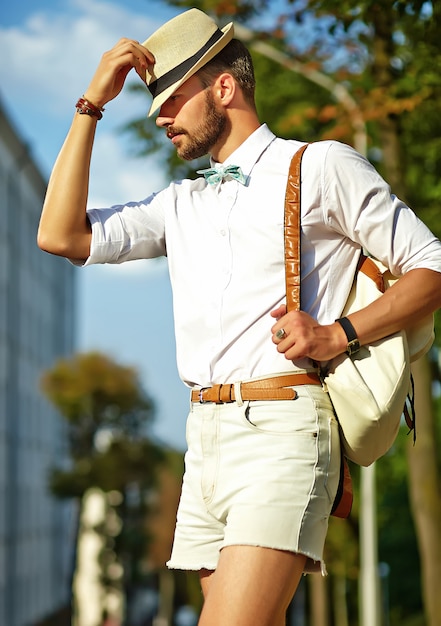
point(312, 564)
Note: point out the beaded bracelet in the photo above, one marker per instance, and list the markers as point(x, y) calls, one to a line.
point(85, 107)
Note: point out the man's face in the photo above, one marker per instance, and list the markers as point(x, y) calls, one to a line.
point(195, 122)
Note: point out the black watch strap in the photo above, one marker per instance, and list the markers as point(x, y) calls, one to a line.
point(353, 344)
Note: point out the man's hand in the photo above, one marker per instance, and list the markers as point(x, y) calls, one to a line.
point(304, 337)
point(113, 69)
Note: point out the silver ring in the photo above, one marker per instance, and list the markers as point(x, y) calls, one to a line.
point(280, 334)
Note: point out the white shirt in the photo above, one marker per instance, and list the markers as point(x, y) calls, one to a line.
point(225, 249)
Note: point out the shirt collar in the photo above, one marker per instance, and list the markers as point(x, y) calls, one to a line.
point(250, 151)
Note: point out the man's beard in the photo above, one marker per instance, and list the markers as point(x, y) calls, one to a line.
point(206, 134)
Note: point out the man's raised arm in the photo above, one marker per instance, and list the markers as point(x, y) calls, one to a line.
point(64, 228)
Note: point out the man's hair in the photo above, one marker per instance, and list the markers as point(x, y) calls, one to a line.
point(236, 60)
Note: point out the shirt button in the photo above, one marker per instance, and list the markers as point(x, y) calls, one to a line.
point(223, 232)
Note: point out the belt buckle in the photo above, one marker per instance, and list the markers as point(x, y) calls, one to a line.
point(201, 391)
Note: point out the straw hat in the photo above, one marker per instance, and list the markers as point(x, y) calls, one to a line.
point(181, 47)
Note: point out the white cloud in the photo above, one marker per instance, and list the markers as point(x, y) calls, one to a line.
point(55, 54)
point(47, 64)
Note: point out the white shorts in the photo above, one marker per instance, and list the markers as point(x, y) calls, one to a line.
point(261, 473)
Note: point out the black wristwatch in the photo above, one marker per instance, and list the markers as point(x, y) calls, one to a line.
point(353, 344)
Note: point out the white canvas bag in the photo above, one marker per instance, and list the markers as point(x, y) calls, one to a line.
point(369, 389)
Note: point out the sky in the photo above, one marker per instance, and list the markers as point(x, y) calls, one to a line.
point(49, 51)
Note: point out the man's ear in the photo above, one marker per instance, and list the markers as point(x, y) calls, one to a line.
point(225, 88)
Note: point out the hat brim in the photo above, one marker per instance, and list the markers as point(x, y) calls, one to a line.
point(197, 61)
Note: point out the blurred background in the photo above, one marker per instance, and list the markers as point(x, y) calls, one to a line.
point(92, 412)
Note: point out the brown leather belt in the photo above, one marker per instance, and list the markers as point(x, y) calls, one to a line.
point(272, 388)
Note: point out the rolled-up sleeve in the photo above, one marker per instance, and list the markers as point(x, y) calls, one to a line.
point(361, 206)
point(127, 232)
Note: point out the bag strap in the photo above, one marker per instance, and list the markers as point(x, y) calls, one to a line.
point(344, 496)
point(292, 239)
point(292, 232)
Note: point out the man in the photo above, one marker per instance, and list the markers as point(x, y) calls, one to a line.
point(263, 456)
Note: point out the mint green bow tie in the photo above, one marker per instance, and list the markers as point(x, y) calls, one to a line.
point(214, 175)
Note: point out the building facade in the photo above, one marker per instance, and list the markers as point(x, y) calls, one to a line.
point(36, 328)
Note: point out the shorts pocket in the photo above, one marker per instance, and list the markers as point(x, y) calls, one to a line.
point(282, 417)
point(332, 450)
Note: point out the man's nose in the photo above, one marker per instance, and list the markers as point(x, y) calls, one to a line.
point(163, 120)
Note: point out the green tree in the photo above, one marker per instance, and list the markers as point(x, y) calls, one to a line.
point(107, 414)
